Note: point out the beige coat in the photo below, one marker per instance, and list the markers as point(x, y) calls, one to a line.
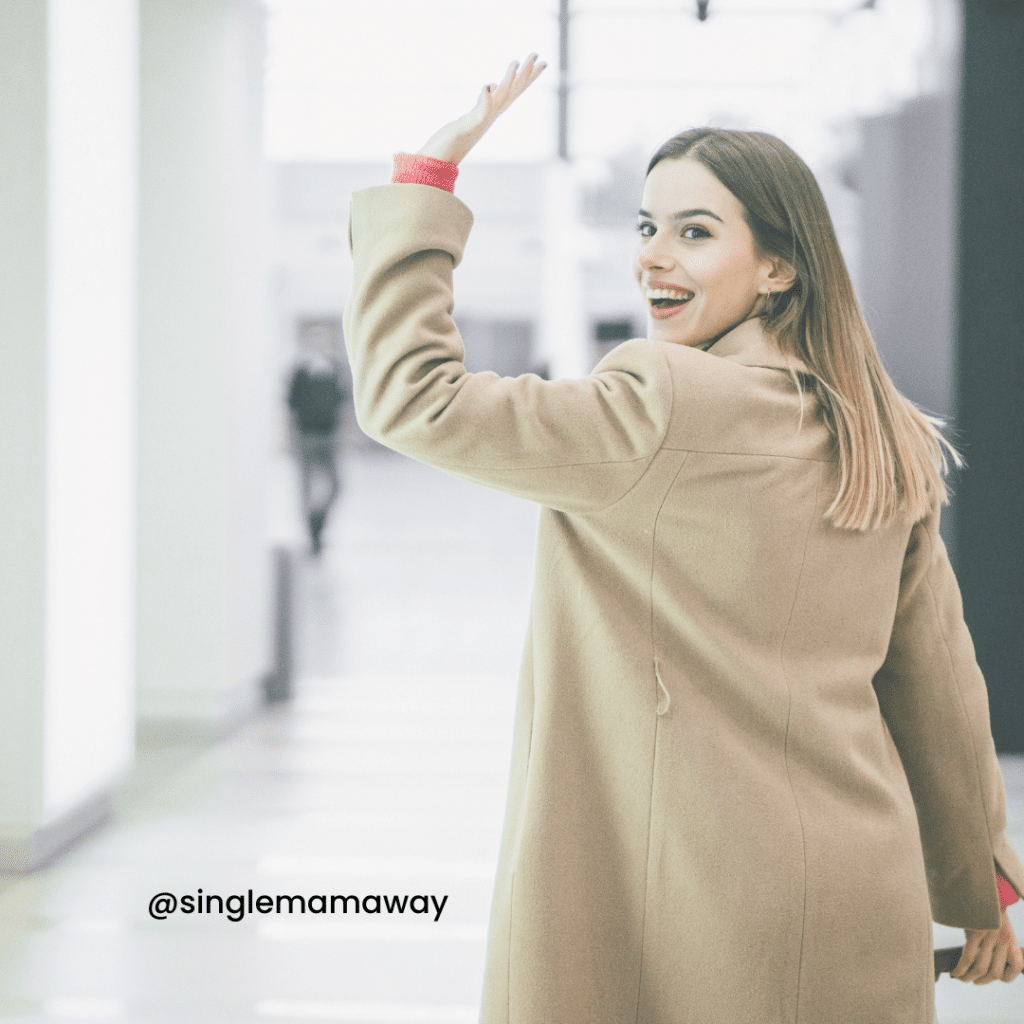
point(749, 747)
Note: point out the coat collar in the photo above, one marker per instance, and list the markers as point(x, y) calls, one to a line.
point(751, 345)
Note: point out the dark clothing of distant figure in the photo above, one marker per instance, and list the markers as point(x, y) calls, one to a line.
point(315, 397)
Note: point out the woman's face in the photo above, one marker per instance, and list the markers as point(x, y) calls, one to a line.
point(696, 264)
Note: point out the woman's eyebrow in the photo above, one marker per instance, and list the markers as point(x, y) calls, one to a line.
point(683, 214)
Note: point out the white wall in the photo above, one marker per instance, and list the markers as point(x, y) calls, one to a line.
point(90, 409)
point(22, 412)
point(135, 393)
point(67, 323)
point(204, 399)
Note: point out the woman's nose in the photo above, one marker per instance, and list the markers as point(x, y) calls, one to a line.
point(653, 256)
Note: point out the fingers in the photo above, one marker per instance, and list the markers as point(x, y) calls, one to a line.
point(517, 79)
point(987, 968)
point(453, 141)
point(969, 965)
point(530, 70)
point(1014, 964)
point(1014, 955)
point(989, 957)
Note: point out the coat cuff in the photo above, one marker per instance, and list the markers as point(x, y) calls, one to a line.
point(424, 170)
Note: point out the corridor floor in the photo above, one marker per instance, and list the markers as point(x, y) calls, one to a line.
point(383, 778)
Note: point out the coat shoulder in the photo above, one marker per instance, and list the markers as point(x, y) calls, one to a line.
point(724, 406)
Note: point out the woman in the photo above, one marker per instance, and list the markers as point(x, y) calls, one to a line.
point(752, 753)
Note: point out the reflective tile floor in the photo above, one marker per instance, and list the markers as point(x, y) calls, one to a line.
point(382, 780)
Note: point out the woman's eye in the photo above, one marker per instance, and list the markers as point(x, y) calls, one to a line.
point(691, 231)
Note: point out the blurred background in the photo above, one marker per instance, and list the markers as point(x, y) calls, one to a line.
point(242, 647)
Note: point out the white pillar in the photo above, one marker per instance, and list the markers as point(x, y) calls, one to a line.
point(67, 432)
point(564, 327)
point(205, 393)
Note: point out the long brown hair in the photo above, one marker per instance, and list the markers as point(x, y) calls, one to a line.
point(890, 452)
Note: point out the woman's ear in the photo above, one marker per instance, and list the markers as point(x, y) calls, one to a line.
point(780, 276)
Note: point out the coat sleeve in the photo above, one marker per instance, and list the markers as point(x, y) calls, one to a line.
point(573, 445)
point(933, 697)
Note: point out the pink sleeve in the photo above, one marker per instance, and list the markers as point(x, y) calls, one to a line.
point(1007, 895)
point(424, 170)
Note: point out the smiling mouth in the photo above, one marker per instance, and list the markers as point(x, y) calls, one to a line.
point(667, 297)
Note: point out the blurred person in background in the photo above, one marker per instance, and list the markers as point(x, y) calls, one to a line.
point(752, 757)
point(316, 394)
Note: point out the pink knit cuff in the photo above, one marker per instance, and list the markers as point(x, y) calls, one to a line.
point(424, 170)
point(1007, 895)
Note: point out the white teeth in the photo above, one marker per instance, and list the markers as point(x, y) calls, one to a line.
point(667, 293)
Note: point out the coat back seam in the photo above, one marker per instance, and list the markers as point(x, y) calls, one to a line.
point(785, 746)
point(654, 746)
point(751, 455)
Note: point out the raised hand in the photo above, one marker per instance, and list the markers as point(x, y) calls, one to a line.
point(456, 139)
